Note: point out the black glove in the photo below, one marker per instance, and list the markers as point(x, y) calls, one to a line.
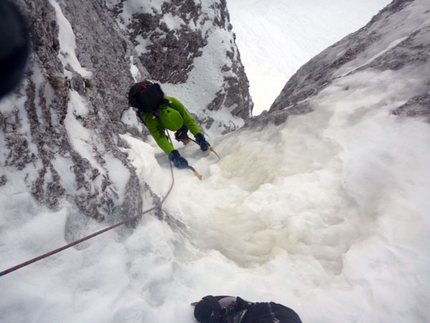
point(178, 161)
point(181, 134)
point(200, 139)
point(208, 310)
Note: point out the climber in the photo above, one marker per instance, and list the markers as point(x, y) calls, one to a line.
point(228, 309)
point(160, 113)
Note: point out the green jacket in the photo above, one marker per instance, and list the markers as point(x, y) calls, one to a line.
point(157, 125)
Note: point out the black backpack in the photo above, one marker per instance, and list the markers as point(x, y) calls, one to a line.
point(146, 96)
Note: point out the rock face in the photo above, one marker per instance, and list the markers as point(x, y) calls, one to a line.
point(407, 49)
point(170, 36)
point(62, 128)
point(34, 127)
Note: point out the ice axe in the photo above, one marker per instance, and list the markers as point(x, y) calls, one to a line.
point(209, 148)
point(195, 172)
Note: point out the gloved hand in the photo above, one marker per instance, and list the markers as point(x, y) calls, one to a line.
point(181, 134)
point(200, 139)
point(177, 160)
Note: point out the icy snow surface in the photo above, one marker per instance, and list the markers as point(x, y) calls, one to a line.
point(327, 214)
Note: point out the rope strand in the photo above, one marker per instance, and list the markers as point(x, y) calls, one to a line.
point(74, 243)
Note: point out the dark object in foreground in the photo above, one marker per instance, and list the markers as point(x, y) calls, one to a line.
point(14, 46)
point(229, 309)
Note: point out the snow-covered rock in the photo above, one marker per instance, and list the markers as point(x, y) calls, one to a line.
point(386, 43)
point(190, 44)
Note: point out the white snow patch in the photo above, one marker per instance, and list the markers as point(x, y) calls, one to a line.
point(67, 41)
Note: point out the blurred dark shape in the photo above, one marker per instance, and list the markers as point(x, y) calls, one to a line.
point(14, 46)
point(227, 309)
